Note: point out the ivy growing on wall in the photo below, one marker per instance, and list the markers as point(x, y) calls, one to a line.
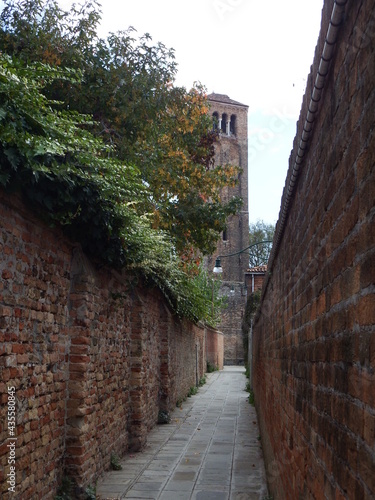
point(67, 176)
point(98, 140)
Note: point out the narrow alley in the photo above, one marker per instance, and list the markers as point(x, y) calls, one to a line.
point(210, 450)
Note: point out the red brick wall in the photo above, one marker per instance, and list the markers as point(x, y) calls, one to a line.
point(231, 319)
point(98, 397)
point(91, 356)
point(215, 348)
point(254, 281)
point(34, 289)
point(232, 150)
point(314, 339)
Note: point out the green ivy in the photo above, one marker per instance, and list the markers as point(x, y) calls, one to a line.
point(71, 179)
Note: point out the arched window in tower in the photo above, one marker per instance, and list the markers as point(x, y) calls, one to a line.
point(215, 117)
point(224, 120)
point(233, 125)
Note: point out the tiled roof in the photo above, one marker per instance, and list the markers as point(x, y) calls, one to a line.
point(224, 99)
point(257, 269)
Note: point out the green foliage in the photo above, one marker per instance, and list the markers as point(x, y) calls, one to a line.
point(205, 292)
point(112, 152)
point(164, 417)
point(202, 381)
point(211, 367)
point(251, 393)
point(115, 462)
point(260, 231)
point(65, 490)
point(63, 169)
point(66, 174)
point(127, 86)
point(192, 391)
point(251, 398)
point(179, 402)
point(252, 304)
point(90, 492)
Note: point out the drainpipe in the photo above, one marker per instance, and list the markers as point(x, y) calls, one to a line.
point(327, 54)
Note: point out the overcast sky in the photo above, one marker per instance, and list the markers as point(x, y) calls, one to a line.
point(258, 52)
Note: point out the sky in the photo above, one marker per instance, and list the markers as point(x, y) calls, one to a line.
point(258, 52)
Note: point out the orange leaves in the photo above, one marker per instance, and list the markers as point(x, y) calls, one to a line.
point(49, 56)
point(190, 260)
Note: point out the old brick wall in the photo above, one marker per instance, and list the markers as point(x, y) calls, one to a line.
point(232, 149)
point(314, 339)
point(34, 289)
point(254, 280)
point(231, 320)
point(98, 397)
point(91, 355)
point(215, 348)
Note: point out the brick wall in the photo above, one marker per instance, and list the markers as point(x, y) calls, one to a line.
point(34, 289)
point(254, 280)
point(92, 356)
point(314, 339)
point(232, 149)
point(215, 348)
point(231, 320)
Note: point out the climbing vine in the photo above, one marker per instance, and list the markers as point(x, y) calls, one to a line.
point(65, 172)
point(100, 142)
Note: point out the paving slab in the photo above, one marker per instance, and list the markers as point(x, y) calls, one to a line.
point(210, 450)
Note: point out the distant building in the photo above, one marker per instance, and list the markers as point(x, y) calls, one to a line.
point(230, 118)
point(254, 278)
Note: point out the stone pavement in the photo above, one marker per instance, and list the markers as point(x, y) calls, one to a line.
point(209, 451)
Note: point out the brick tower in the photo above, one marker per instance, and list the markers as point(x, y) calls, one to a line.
point(230, 117)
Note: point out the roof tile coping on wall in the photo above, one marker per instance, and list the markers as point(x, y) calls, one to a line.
point(257, 269)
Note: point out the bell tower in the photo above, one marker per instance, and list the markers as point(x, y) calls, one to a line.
point(230, 118)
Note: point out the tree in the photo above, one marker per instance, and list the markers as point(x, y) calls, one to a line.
point(260, 231)
point(52, 158)
point(112, 152)
point(127, 87)
point(61, 167)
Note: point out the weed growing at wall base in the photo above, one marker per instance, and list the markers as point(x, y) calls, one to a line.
point(192, 391)
point(90, 492)
point(251, 393)
point(115, 462)
point(65, 490)
point(164, 417)
point(211, 367)
point(68, 491)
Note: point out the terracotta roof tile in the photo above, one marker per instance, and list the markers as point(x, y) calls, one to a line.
point(257, 269)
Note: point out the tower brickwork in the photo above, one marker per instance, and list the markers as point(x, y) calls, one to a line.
point(230, 118)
